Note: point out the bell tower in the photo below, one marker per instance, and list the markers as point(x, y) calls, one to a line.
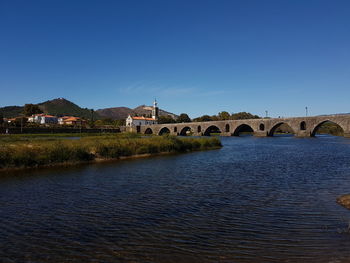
point(155, 110)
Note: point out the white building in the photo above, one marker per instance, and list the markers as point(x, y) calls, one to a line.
point(140, 121)
point(43, 119)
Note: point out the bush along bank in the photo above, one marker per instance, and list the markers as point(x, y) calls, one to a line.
point(35, 153)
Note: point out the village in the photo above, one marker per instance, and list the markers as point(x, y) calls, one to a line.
point(39, 122)
point(45, 119)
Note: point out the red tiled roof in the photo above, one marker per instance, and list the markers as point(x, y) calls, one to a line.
point(143, 118)
point(43, 115)
point(72, 119)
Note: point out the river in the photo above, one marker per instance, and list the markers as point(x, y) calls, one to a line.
point(254, 200)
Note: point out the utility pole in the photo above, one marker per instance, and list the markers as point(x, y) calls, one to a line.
point(306, 111)
point(22, 116)
point(92, 118)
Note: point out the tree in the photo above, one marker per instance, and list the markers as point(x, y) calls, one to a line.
point(203, 118)
point(243, 116)
point(166, 119)
point(20, 121)
point(119, 122)
point(224, 115)
point(1, 118)
point(107, 121)
point(30, 109)
point(214, 118)
point(183, 118)
point(97, 123)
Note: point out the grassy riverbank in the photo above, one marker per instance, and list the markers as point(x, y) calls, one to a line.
point(34, 151)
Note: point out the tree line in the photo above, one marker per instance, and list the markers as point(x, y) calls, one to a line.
point(221, 116)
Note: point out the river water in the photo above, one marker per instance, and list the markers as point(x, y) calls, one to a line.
point(254, 200)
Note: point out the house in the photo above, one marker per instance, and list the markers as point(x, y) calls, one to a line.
point(31, 119)
point(43, 119)
point(140, 121)
point(71, 120)
point(11, 120)
point(61, 120)
point(35, 118)
point(48, 119)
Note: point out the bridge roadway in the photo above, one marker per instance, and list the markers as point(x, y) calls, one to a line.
point(301, 126)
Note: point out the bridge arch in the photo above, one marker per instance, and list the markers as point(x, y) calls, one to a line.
point(199, 129)
point(148, 131)
point(278, 125)
point(303, 126)
point(340, 128)
point(242, 128)
point(227, 127)
point(185, 131)
point(211, 129)
point(164, 130)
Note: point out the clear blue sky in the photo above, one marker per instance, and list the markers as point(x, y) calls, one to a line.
point(198, 57)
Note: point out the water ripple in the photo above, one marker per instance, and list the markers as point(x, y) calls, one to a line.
point(255, 200)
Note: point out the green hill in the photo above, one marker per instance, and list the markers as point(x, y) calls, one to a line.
point(11, 111)
point(58, 107)
point(62, 107)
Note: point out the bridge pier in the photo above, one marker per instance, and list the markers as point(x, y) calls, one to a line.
point(347, 134)
point(260, 134)
point(303, 134)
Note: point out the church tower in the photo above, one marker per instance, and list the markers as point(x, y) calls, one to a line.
point(155, 110)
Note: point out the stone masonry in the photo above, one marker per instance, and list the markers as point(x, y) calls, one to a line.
point(302, 126)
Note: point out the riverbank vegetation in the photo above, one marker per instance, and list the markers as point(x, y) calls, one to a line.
point(34, 151)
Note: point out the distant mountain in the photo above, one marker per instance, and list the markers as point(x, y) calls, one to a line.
point(147, 110)
point(116, 113)
point(119, 113)
point(61, 107)
point(57, 107)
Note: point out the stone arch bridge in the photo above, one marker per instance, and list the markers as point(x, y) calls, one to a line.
point(301, 126)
